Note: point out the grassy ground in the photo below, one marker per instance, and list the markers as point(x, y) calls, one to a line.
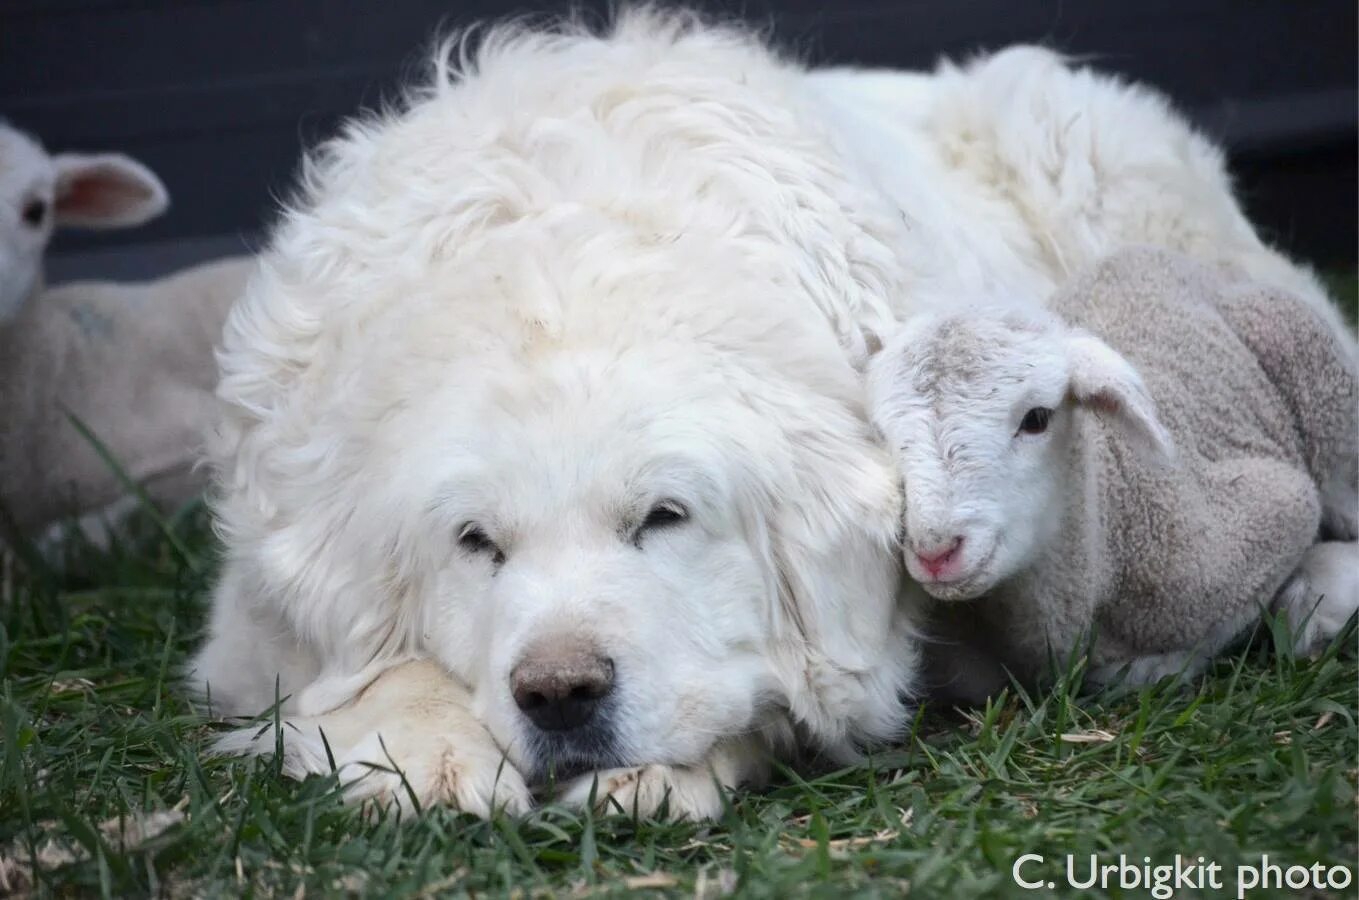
point(1257, 759)
point(103, 791)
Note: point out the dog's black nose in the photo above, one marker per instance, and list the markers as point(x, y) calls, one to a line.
point(560, 686)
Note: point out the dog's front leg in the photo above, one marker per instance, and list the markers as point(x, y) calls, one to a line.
point(690, 793)
point(408, 738)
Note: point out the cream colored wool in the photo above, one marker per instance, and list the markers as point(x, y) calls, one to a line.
point(1159, 565)
point(135, 363)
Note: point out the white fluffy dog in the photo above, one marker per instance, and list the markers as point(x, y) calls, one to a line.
point(546, 453)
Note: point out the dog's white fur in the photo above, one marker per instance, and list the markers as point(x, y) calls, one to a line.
point(581, 275)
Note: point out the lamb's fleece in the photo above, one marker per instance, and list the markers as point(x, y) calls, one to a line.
point(1163, 562)
point(134, 363)
point(566, 350)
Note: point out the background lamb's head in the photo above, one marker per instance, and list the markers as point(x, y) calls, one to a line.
point(980, 410)
point(40, 192)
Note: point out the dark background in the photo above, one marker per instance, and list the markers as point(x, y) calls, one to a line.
point(219, 96)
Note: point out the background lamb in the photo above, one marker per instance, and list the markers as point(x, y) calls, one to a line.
point(134, 362)
point(40, 193)
point(1043, 485)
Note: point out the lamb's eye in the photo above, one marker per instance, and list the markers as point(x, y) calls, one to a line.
point(665, 514)
point(1036, 420)
point(474, 540)
point(34, 212)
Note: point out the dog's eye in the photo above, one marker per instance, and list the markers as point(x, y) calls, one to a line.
point(34, 212)
point(1036, 420)
point(665, 514)
point(474, 540)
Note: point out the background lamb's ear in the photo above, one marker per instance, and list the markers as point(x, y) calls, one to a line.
point(108, 190)
point(1102, 380)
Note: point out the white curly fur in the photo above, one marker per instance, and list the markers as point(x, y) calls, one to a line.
point(576, 275)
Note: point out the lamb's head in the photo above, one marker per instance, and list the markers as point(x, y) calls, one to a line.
point(39, 193)
point(979, 409)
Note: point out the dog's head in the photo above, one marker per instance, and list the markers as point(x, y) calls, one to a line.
point(636, 516)
point(595, 523)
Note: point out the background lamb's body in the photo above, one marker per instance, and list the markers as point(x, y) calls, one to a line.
point(134, 362)
point(1165, 563)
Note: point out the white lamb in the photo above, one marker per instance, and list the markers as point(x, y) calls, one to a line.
point(134, 362)
point(1070, 499)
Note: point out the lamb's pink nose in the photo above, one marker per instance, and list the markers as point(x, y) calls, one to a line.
point(938, 560)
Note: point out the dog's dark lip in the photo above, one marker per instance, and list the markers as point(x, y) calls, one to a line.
point(557, 768)
point(558, 756)
point(555, 773)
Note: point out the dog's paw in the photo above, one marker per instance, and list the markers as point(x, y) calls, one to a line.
point(684, 793)
point(690, 793)
point(409, 740)
point(469, 777)
point(1322, 595)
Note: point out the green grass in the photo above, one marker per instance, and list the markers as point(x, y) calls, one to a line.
point(1257, 758)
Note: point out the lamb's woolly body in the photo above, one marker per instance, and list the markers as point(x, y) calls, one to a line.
point(621, 251)
point(1174, 560)
point(134, 362)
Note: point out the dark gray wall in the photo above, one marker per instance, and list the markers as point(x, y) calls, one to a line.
point(220, 95)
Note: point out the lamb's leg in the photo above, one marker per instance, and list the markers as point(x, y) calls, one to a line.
point(409, 738)
point(1318, 377)
point(1144, 670)
point(1182, 665)
point(1322, 595)
point(1234, 544)
point(96, 528)
point(691, 792)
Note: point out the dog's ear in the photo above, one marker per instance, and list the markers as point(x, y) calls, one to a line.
point(346, 599)
point(842, 643)
point(300, 519)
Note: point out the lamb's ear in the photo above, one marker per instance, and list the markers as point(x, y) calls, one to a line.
point(1102, 380)
point(108, 190)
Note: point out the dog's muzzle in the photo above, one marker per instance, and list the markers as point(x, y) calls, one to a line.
point(564, 686)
